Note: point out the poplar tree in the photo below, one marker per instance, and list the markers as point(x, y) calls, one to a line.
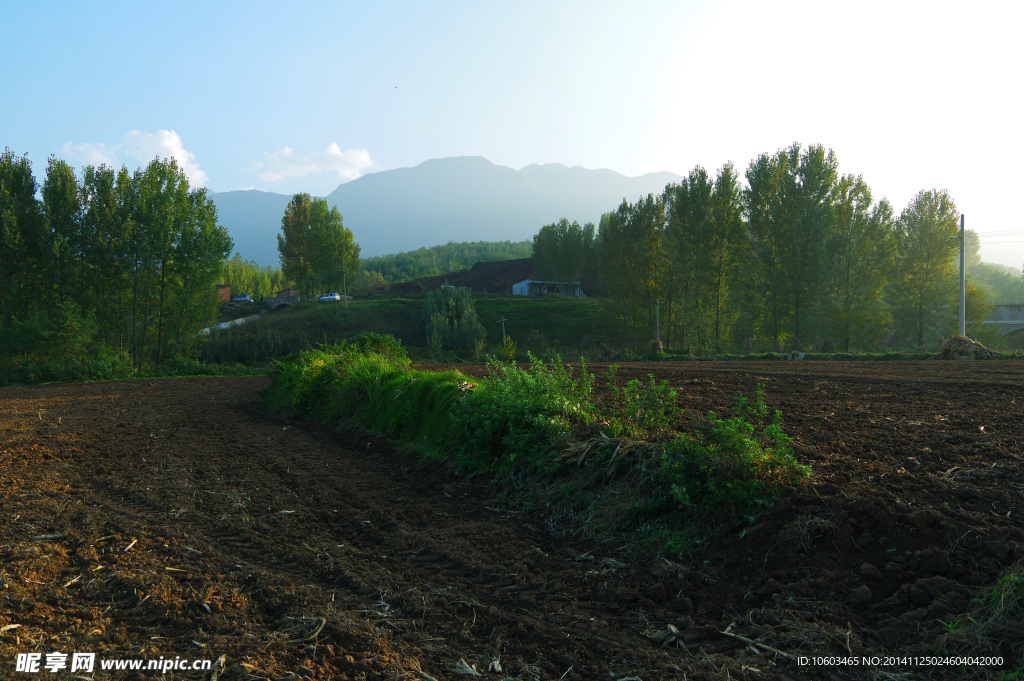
point(925, 282)
point(862, 245)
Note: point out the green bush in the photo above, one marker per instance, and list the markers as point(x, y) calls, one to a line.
point(366, 381)
point(519, 412)
point(740, 464)
point(452, 322)
point(58, 346)
point(642, 411)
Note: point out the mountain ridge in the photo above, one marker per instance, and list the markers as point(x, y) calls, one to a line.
point(458, 198)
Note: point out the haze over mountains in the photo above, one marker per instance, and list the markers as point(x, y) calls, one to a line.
point(464, 198)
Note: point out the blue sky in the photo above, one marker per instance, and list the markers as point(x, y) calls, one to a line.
point(302, 96)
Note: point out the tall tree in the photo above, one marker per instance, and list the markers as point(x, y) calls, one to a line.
point(317, 250)
point(862, 248)
point(563, 251)
point(790, 215)
point(632, 261)
point(291, 242)
point(21, 237)
point(63, 224)
point(331, 250)
point(925, 281)
point(769, 212)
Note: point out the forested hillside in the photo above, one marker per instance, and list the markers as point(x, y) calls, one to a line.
point(435, 260)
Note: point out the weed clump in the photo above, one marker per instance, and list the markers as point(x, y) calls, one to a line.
point(740, 463)
point(518, 412)
point(641, 411)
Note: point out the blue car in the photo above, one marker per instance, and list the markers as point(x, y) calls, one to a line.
point(242, 299)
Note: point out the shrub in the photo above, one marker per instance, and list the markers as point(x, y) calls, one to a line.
point(452, 323)
point(740, 464)
point(643, 411)
point(507, 352)
point(519, 412)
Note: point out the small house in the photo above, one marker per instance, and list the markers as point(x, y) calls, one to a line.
point(530, 287)
point(223, 292)
point(288, 293)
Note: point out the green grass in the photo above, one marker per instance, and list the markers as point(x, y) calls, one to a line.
point(992, 629)
point(518, 423)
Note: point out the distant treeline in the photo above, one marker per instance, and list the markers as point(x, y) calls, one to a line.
point(429, 262)
point(110, 267)
point(247, 277)
point(798, 257)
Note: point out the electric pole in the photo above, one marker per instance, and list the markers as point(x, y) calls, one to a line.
point(657, 316)
point(963, 281)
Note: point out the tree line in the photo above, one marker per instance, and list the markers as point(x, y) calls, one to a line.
point(796, 257)
point(247, 277)
point(121, 262)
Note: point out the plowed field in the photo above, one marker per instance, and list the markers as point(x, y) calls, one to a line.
point(174, 519)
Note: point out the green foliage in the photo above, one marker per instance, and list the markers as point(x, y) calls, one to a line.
point(137, 253)
point(452, 322)
point(435, 260)
point(704, 229)
point(740, 463)
point(564, 251)
point(924, 291)
point(634, 263)
point(59, 346)
point(993, 627)
point(247, 277)
point(366, 381)
point(642, 411)
point(317, 251)
point(518, 412)
point(507, 351)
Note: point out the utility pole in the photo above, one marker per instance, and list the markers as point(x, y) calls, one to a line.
point(502, 322)
point(657, 316)
point(963, 281)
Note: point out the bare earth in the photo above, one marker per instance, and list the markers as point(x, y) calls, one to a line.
point(174, 518)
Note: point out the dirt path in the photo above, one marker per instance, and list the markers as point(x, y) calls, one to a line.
point(172, 518)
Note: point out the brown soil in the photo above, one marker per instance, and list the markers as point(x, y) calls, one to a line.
point(172, 517)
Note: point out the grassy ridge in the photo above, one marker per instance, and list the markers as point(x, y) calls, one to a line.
point(551, 446)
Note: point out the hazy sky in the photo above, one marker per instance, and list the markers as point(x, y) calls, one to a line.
point(301, 96)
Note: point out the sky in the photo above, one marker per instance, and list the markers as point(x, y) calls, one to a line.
point(302, 96)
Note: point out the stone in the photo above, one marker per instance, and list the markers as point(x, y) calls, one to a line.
point(934, 561)
point(860, 595)
point(869, 571)
point(919, 597)
point(924, 519)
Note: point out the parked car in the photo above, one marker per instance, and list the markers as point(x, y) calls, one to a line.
point(244, 298)
point(330, 296)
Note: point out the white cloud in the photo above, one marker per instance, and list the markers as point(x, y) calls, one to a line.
point(143, 147)
point(285, 163)
point(90, 154)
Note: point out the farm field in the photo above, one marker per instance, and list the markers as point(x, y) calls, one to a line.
point(174, 518)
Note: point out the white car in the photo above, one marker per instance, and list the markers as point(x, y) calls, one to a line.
point(330, 296)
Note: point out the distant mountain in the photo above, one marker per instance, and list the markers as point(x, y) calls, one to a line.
point(464, 198)
point(253, 219)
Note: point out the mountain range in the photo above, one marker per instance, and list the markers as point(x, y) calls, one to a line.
point(465, 198)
